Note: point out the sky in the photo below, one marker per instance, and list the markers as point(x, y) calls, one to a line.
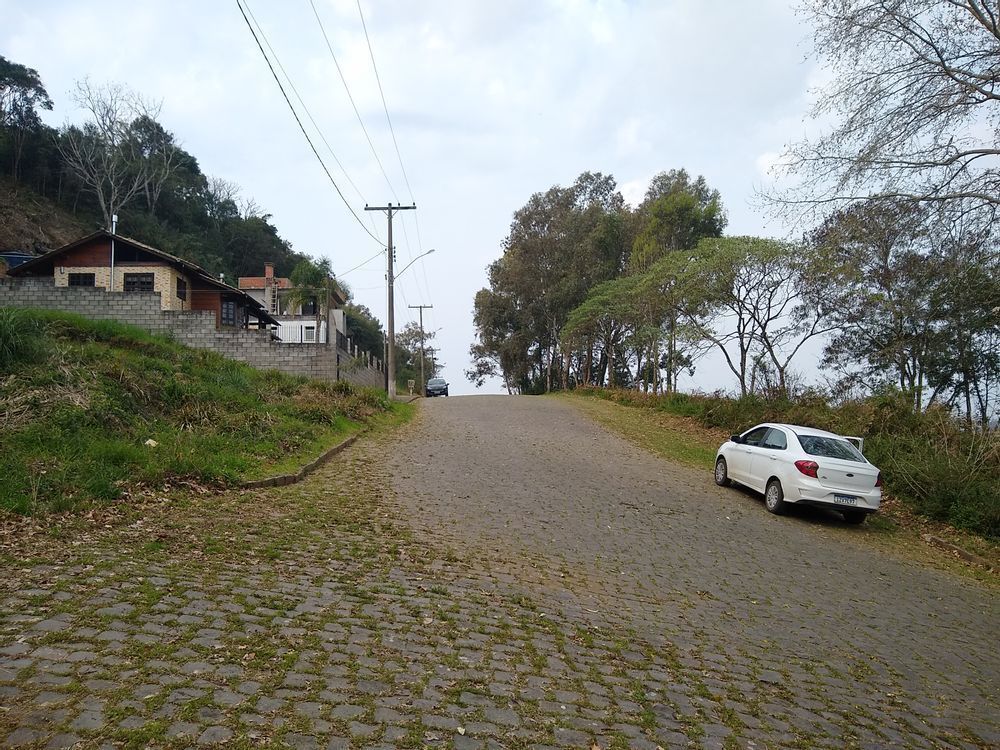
point(489, 103)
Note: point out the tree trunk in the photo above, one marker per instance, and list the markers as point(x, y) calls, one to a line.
point(548, 370)
point(588, 365)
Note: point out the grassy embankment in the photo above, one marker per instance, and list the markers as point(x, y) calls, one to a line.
point(79, 400)
point(939, 478)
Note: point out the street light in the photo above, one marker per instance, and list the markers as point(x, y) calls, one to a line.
point(390, 375)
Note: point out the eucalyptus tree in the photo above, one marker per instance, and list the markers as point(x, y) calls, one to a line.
point(677, 213)
point(561, 243)
point(915, 295)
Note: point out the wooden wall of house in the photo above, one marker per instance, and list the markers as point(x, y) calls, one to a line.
point(95, 253)
point(207, 299)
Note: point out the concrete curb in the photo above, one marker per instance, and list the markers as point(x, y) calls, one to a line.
point(282, 479)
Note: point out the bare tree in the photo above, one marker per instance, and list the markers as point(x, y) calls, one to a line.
point(251, 209)
point(221, 198)
point(914, 96)
point(115, 154)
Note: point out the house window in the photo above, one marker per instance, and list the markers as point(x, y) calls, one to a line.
point(82, 279)
point(309, 333)
point(182, 289)
point(138, 282)
point(228, 313)
point(308, 307)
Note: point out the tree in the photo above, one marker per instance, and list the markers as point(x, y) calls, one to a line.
point(365, 330)
point(676, 214)
point(916, 298)
point(485, 364)
point(158, 156)
point(877, 278)
point(118, 153)
point(21, 96)
point(410, 343)
point(750, 293)
point(914, 98)
point(560, 244)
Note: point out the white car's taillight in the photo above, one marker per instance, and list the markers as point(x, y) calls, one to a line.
point(809, 468)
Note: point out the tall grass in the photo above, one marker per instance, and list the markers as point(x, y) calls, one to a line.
point(930, 460)
point(20, 337)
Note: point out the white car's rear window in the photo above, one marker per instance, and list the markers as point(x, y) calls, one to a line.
point(817, 445)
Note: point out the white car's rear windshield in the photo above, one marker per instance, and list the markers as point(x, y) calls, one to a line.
point(817, 445)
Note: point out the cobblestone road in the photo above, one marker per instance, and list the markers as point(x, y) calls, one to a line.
point(510, 576)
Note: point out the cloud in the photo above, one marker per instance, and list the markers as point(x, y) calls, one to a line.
point(490, 103)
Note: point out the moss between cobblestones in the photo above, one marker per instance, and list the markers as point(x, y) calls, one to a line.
point(377, 587)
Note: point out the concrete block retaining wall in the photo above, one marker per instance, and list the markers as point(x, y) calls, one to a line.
point(196, 329)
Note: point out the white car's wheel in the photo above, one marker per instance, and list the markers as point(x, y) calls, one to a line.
point(722, 473)
point(774, 498)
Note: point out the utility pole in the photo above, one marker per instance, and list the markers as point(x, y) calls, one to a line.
point(390, 363)
point(423, 380)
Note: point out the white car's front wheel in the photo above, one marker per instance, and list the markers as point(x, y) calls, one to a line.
point(774, 498)
point(722, 473)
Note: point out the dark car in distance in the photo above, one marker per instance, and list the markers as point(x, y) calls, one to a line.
point(437, 387)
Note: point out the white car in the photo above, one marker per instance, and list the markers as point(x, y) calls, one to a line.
point(801, 465)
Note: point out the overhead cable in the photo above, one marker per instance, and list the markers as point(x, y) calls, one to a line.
point(395, 143)
point(298, 120)
point(347, 88)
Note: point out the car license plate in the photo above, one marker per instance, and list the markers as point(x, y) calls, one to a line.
point(845, 499)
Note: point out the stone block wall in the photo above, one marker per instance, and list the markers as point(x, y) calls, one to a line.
point(192, 328)
point(356, 372)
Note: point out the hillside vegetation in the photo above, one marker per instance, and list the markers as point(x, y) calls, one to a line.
point(80, 399)
point(929, 461)
point(29, 221)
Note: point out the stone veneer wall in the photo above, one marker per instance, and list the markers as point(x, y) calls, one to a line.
point(192, 328)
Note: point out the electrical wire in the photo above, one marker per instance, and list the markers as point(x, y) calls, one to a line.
point(384, 105)
point(357, 114)
point(360, 265)
point(399, 156)
point(305, 107)
point(298, 120)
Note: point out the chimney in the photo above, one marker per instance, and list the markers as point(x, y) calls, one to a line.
point(269, 271)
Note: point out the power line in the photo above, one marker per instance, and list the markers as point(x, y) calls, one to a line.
point(384, 105)
point(305, 107)
point(295, 91)
point(399, 156)
point(342, 275)
point(357, 114)
point(298, 120)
